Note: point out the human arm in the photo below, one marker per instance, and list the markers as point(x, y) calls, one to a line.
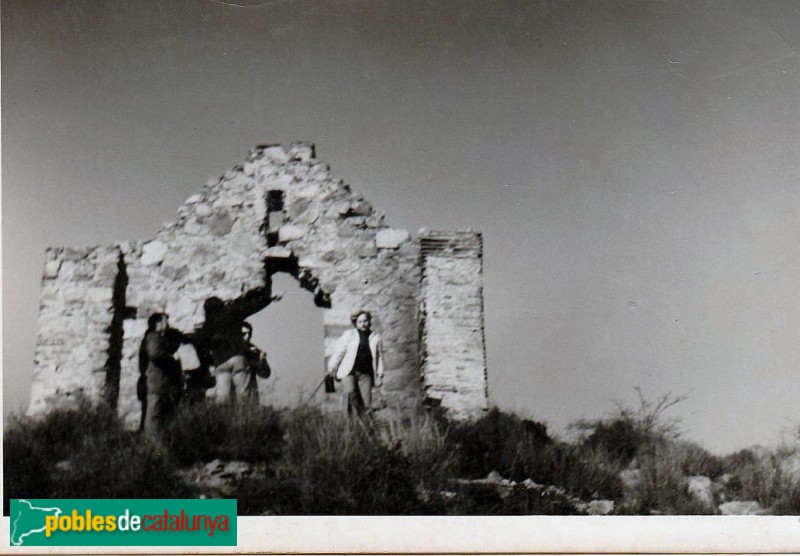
point(201, 341)
point(251, 302)
point(175, 338)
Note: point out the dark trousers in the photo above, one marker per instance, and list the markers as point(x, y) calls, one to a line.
point(163, 395)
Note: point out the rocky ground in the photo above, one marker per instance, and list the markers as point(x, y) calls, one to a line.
point(217, 479)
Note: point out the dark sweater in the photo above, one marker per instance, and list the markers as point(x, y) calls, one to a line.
point(363, 362)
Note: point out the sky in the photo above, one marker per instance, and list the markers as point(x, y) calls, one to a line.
point(632, 165)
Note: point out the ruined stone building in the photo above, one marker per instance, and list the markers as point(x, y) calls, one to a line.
point(280, 211)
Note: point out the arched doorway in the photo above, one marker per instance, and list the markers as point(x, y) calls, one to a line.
point(290, 331)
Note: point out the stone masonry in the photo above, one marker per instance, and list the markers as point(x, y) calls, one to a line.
point(453, 349)
point(280, 211)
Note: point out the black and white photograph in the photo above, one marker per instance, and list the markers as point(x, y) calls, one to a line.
point(500, 259)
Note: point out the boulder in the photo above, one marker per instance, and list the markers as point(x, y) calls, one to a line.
point(749, 507)
point(790, 468)
point(600, 507)
point(700, 489)
point(215, 478)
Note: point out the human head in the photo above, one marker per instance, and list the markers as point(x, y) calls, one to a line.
point(247, 331)
point(158, 322)
point(213, 305)
point(362, 320)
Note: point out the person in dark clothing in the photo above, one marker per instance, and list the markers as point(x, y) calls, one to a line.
point(358, 363)
point(256, 364)
point(163, 382)
point(220, 339)
point(197, 377)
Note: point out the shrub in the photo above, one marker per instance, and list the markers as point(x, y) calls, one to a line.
point(788, 502)
point(206, 431)
point(337, 467)
point(663, 486)
point(582, 470)
point(695, 460)
point(122, 467)
point(632, 432)
point(620, 438)
point(645, 438)
point(499, 442)
point(758, 475)
point(83, 452)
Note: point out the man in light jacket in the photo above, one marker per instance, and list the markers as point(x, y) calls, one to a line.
point(358, 362)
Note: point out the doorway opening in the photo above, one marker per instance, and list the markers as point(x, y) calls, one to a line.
point(291, 333)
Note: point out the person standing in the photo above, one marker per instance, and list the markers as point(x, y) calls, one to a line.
point(257, 365)
point(358, 363)
point(221, 338)
point(163, 376)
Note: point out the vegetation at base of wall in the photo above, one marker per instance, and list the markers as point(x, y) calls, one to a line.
point(83, 453)
point(205, 431)
point(303, 462)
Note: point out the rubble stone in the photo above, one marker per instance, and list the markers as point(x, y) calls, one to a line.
point(600, 507)
point(390, 239)
point(749, 507)
point(153, 253)
point(700, 488)
point(290, 232)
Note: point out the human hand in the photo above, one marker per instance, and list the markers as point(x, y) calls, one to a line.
point(278, 296)
point(378, 381)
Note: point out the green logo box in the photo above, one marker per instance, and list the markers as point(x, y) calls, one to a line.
point(127, 522)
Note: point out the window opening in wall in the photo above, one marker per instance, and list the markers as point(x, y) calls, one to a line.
point(274, 215)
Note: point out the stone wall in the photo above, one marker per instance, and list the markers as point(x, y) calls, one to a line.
point(76, 314)
point(280, 211)
point(453, 351)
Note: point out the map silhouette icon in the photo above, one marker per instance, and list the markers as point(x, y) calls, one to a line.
point(29, 520)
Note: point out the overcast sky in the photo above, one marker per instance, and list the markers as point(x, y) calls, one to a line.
point(633, 166)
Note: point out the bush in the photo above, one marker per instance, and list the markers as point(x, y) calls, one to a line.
point(620, 438)
point(499, 442)
point(632, 432)
point(121, 467)
point(758, 475)
point(695, 460)
point(206, 431)
point(663, 487)
point(83, 453)
point(584, 471)
point(644, 439)
point(335, 466)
